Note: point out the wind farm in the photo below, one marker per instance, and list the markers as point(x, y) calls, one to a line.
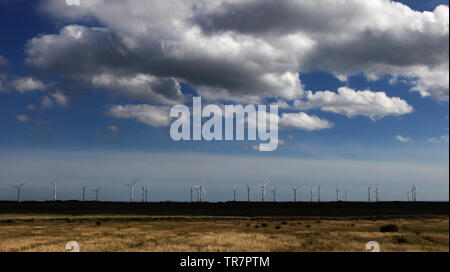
point(299, 222)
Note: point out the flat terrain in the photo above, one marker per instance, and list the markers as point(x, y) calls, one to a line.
point(48, 226)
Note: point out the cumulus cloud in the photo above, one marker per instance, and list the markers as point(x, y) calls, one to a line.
point(26, 84)
point(46, 102)
point(22, 118)
point(142, 87)
point(351, 103)
point(229, 52)
point(402, 139)
point(56, 98)
point(155, 116)
point(113, 128)
point(3, 61)
point(442, 139)
point(376, 37)
point(303, 121)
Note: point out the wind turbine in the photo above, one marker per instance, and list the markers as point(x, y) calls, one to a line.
point(248, 193)
point(201, 189)
point(131, 185)
point(96, 192)
point(143, 193)
point(345, 194)
point(295, 193)
point(84, 191)
point(337, 193)
point(19, 190)
point(192, 194)
point(274, 192)
point(146, 193)
point(368, 188)
point(311, 195)
point(414, 189)
point(54, 190)
point(263, 190)
point(234, 194)
point(377, 195)
point(318, 193)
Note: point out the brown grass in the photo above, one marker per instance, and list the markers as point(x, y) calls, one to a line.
point(143, 233)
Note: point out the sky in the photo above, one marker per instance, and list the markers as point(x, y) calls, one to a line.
point(362, 89)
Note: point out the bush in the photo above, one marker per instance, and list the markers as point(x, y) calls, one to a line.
point(389, 228)
point(308, 226)
point(278, 227)
point(400, 239)
point(263, 225)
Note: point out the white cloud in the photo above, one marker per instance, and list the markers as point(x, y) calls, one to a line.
point(22, 118)
point(303, 121)
point(56, 98)
point(154, 116)
point(31, 107)
point(113, 128)
point(3, 61)
point(26, 84)
point(60, 98)
point(442, 139)
point(142, 87)
point(46, 102)
point(402, 139)
point(351, 103)
point(226, 50)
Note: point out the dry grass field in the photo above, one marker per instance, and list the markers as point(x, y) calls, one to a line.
point(168, 234)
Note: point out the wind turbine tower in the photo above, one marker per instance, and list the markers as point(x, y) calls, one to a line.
point(54, 190)
point(318, 193)
point(234, 194)
point(248, 193)
point(143, 192)
point(19, 190)
point(96, 192)
point(274, 192)
point(295, 193)
point(337, 193)
point(345, 194)
point(84, 192)
point(414, 193)
point(201, 190)
point(131, 185)
point(368, 188)
point(263, 190)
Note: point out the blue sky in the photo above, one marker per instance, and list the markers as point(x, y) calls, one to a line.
point(77, 134)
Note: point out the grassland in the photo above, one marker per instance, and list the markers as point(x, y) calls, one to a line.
point(232, 226)
point(167, 234)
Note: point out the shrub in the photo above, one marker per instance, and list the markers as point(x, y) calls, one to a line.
point(389, 228)
point(400, 239)
point(263, 225)
point(278, 227)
